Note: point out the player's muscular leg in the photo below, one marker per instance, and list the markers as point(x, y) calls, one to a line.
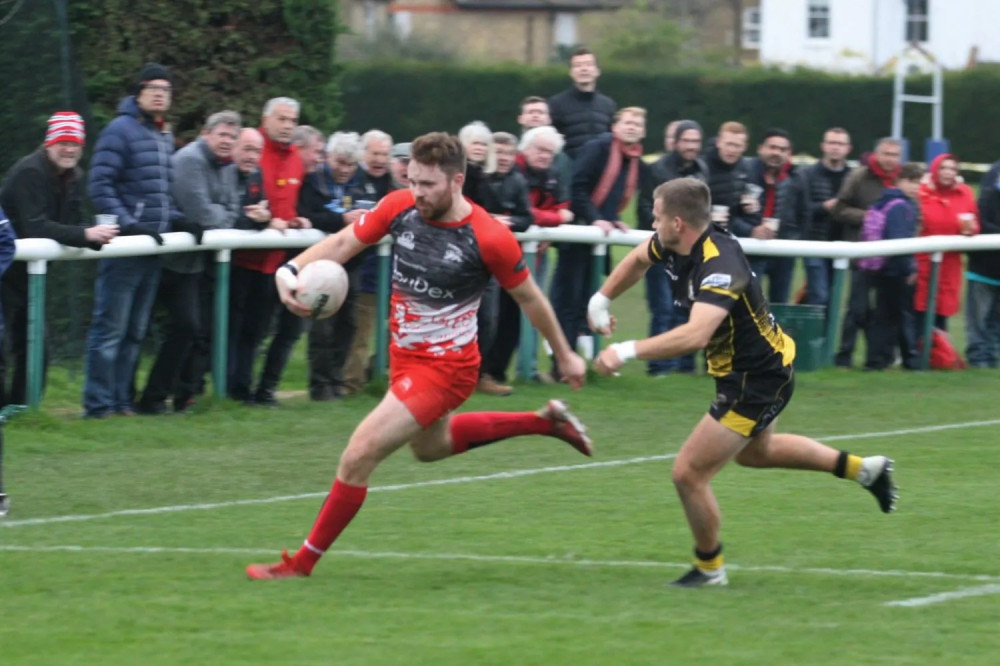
point(768, 449)
point(709, 447)
point(386, 428)
point(433, 443)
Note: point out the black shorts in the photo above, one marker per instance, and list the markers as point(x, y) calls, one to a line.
point(747, 403)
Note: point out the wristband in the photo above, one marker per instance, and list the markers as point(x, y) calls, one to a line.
point(625, 350)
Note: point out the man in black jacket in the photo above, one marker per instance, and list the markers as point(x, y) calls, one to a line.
point(680, 161)
point(509, 203)
point(42, 195)
point(581, 113)
point(728, 177)
point(807, 204)
point(982, 306)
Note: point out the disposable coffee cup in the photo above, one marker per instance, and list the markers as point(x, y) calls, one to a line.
point(772, 223)
point(967, 217)
point(106, 219)
point(720, 213)
point(364, 204)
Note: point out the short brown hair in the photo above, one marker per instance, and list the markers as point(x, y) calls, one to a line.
point(686, 198)
point(440, 149)
point(911, 171)
point(733, 127)
point(504, 139)
point(634, 110)
point(533, 99)
point(582, 51)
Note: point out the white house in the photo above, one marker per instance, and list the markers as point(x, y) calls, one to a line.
point(863, 36)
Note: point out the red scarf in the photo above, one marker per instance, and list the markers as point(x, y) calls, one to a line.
point(888, 178)
point(613, 169)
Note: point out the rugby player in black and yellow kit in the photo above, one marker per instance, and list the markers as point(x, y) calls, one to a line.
point(747, 353)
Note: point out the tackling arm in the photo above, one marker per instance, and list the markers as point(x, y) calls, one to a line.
point(686, 338)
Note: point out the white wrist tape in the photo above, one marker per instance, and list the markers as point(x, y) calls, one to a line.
point(625, 350)
point(287, 276)
point(598, 311)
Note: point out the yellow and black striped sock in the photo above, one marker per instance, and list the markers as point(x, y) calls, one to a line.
point(848, 466)
point(709, 562)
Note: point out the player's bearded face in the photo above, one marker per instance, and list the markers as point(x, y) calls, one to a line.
point(431, 189)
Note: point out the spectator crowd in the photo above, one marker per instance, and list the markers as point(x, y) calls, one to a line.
point(578, 160)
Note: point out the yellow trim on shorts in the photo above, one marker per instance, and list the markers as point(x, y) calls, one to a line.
point(738, 423)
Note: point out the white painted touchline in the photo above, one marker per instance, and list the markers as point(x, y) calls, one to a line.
point(441, 482)
point(286, 498)
point(509, 559)
point(946, 596)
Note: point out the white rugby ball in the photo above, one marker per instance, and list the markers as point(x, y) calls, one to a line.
point(322, 287)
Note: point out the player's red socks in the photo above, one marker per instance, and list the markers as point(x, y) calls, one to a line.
point(475, 429)
point(339, 509)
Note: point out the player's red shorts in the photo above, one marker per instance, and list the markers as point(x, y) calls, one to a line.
point(431, 389)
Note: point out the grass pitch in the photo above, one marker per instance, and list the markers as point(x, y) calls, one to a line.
point(520, 553)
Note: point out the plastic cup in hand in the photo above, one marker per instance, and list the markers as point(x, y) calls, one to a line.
point(106, 219)
point(772, 223)
point(720, 214)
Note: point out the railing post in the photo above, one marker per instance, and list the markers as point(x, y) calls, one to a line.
point(528, 343)
point(928, 324)
point(382, 309)
point(840, 272)
point(599, 256)
point(36, 331)
point(220, 323)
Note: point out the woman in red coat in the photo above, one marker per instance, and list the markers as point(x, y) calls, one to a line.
point(947, 207)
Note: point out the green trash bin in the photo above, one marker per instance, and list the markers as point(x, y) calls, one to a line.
point(806, 324)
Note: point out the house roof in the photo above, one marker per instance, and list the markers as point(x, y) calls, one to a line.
point(540, 4)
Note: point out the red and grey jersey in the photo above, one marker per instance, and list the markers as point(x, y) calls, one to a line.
point(439, 272)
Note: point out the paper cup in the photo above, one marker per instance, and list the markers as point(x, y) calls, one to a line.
point(106, 219)
point(720, 213)
point(772, 223)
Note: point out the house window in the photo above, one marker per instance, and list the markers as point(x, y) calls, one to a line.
point(751, 28)
point(916, 21)
point(818, 19)
point(564, 30)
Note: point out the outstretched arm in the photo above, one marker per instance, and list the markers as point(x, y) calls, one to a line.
point(628, 271)
point(538, 310)
point(686, 338)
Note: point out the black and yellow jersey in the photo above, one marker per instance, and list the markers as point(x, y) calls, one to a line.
point(717, 272)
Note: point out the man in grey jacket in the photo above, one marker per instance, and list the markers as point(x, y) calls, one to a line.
point(205, 189)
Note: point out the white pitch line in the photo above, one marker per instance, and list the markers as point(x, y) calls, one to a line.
point(73, 518)
point(513, 559)
point(964, 593)
point(440, 482)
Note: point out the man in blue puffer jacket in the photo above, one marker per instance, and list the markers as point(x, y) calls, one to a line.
point(130, 177)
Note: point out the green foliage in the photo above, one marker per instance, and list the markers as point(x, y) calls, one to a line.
point(642, 37)
point(407, 99)
point(224, 54)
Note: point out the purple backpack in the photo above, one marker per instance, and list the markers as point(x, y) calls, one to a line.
point(873, 229)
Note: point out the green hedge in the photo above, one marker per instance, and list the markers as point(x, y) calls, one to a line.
point(409, 99)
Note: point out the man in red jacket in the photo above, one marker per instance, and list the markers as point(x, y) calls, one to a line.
point(282, 170)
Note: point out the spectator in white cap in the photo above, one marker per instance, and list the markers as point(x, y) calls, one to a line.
point(43, 197)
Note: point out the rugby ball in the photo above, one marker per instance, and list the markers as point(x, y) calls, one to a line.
point(322, 287)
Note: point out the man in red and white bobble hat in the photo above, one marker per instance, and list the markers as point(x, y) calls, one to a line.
point(43, 197)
